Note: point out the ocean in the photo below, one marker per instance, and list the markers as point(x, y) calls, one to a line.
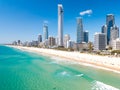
point(21, 70)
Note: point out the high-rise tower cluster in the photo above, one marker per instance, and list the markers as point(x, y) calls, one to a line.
point(109, 35)
point(110, 29)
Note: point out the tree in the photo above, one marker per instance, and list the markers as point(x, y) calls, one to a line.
point(90, 46)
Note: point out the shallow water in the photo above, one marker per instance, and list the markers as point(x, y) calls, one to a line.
point(20, 70)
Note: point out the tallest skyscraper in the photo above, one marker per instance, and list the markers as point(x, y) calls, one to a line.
point(60, 25)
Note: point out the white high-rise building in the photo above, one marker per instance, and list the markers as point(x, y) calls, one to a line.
point(66, 38)
point(100, 41)
point(70, 44)
point(60, 25)
point(114, 33)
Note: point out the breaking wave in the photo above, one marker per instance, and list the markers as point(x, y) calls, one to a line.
point(79, 75)
point(96, 85)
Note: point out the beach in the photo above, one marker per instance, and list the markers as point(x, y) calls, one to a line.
point(102, 62)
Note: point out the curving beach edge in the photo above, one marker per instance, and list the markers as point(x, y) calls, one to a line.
point(101, 62)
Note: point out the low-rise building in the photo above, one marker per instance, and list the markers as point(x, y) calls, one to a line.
point(39, 38)
point(66, 39)
point(51, 41)
point(34, 43)
point(14, 43)
point(81, 47)
point(116, 44)
point(70, 44)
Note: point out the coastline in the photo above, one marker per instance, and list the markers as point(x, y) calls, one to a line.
point(101, 62)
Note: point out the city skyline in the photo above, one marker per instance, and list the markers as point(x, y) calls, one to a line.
point(28, 17)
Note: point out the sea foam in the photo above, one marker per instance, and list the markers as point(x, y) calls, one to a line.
point(97, 85)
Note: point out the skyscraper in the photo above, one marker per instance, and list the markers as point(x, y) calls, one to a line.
point(80, 36)
point(45, 31)
point(110, 21)
point(39, 38)
point(60, 25)
point(86, 36)
point(104, 29)
point(114, 33)
point(100, 41)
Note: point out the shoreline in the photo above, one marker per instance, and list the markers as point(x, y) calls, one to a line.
point(101, 62)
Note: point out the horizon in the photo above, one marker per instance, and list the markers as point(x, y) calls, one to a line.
point(23, 20)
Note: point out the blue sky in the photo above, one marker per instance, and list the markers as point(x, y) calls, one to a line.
point(23, 19)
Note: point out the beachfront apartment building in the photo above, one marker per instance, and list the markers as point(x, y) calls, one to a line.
point(100, 41)
point(66, 38)
point(51, 41)
point(45, 31)
point(86, 36)
point(116, 44)
point(114, 33)
point(70, 44)
point(39, 38)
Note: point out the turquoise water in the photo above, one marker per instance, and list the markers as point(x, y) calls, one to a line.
point(20, 70)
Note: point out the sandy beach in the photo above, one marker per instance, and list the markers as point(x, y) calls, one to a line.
point(102, 62)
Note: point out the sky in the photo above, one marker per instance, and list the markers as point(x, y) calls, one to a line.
point(23, 19)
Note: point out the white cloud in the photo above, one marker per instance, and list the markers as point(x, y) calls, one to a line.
point(88, 12)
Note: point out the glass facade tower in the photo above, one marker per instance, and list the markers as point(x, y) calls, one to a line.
point(110, 21)
point(80, 34)
point(45, 31)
